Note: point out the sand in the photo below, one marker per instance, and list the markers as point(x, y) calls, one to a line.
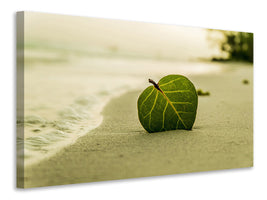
point(222, 138)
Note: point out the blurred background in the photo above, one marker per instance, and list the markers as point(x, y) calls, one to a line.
point(117, 38)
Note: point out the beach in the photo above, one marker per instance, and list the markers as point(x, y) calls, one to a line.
point(119, 148)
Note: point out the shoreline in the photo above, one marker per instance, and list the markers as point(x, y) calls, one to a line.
point(120, 148)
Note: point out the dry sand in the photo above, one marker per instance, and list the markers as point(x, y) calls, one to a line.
point(222, 138)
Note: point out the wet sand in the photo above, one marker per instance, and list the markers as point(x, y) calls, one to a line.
point(222, 138)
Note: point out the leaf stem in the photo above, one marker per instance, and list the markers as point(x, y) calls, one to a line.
point(155, 84)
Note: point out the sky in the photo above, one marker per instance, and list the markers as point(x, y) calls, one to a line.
point(129, 37)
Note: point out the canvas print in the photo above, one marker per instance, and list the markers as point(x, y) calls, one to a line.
point(101, 99)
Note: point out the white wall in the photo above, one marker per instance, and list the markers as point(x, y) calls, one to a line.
point(229, 184)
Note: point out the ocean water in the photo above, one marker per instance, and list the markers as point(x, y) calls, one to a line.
point(65, 94)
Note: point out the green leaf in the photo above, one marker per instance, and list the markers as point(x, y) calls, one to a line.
point(169, 105)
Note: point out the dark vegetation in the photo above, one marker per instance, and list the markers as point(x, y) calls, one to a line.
point(245, 81)
point(237, 45)
point(201, 93)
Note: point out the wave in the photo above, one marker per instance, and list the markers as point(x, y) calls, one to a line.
point(74, 121)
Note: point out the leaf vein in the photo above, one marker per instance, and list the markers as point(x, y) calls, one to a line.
point(177, 124)
point(181, 102)
point(177, 91)
point(152, 110)
point(163, 115)
point(170, 82)
point(147, 96)
point(184, 112)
